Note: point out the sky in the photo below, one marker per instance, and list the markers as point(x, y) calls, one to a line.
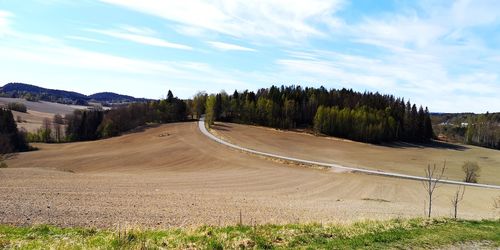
point(440, 54)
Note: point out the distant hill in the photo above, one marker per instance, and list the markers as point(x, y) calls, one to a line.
point(111, 97)
point(35, 93)
point(106, 96)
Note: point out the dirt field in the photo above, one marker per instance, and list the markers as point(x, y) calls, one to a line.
point(399, 158)
point(172, 175)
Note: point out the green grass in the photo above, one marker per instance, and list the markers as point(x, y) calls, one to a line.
point(413, 233)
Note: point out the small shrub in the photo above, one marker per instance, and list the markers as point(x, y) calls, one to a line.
point(471, 170)
point(17, 106)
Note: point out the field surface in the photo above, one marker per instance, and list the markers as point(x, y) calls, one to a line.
point(401, 158)
point(172, 175)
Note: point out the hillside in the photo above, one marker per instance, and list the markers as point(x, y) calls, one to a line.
point(35, 93)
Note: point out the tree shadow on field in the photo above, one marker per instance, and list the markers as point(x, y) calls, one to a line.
point(142, 128)
point(432, 144)
point(221, 127)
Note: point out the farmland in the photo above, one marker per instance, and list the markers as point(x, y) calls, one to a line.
point(401, 157)
point(173, 176)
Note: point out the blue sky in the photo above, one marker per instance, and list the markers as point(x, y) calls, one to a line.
point(441, 54)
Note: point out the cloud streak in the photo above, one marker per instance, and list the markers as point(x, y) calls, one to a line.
point(228, 46)
point(441, 54)
point(134, 35)
point(280, 20)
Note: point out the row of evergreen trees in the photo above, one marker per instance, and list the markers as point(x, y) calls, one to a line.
point(368, 117)
point(11, 139)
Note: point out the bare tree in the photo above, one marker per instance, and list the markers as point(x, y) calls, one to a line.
point(471, 170)
point(46, 130)
point(432, 178)
point(58, 119)
point(57, 132)
point(457, 198)
point(57, 122)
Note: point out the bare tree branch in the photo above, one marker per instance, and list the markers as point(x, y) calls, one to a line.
point(457, 198)
point(432, 178)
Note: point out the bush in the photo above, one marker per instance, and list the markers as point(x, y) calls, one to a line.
point(17, 106)
point(471, 170)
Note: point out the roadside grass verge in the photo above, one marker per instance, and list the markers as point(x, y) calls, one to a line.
point(412, 233)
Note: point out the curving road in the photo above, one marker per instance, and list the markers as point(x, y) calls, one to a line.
point(203, 129)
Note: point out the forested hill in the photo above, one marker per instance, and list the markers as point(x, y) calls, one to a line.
point(35, 93)
point(366, 117)
point(113, 97)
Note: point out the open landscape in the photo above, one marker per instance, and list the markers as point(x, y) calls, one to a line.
point(198, 181)
point(232, 124)
point(405, 158)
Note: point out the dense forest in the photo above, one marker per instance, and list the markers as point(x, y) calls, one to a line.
point(367, 117)
point(11, 139)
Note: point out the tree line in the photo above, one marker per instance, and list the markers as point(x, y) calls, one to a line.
point(93, 124)
point(367, 117)
point(484, 130)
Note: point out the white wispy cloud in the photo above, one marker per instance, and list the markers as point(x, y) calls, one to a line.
point(85, 39)
point(229, 46)
point(52, 61)
point(141, 36)
point(424, 79)
point(280, 20)
point(430, 53)
point(5, 22)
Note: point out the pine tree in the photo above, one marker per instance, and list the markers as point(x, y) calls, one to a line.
point(11, 140)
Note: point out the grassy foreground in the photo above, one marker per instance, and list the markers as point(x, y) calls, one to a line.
point(413, 233)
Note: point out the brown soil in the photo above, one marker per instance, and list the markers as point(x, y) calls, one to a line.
point(172, 175)
point(401, 158)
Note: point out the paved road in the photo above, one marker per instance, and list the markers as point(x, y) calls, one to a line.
point(203, 129)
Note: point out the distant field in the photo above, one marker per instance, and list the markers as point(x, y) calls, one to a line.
point(172, 175)
point(400, 158)
point(44, 107)
point(38, 111)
